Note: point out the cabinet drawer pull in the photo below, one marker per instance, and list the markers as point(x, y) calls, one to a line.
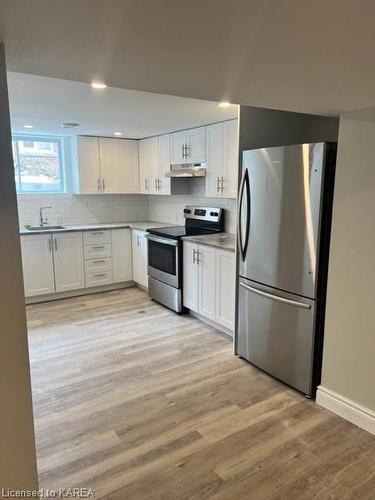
point(101, 247)
point(97, 232)
point(99, 275)
point(99, 261)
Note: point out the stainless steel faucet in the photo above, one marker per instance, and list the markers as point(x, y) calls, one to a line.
point(43, 220)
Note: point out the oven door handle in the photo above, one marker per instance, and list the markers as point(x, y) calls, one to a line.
point(164, 241)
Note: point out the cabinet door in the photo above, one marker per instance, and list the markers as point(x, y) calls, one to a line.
point(196, 142)
point(143, 167)
point(190, 276)
point(230, 163)
point(225, 288)
point(122, 255)
point(86, 167)
point(119, 165)
point(164, 183)
point(215, 159)
point(37, 263)
point(178, 144)
point(153, 163)
point(68, 258)
point(140, 258)
point(207, 274)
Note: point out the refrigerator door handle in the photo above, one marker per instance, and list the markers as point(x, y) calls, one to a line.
point(245, 184)
point(302, 305)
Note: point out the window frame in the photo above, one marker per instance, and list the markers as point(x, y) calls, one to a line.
point(40, 138)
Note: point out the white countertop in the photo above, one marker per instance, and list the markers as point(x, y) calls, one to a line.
point(141, 225)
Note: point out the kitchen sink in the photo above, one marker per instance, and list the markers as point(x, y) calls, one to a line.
point(43, 228)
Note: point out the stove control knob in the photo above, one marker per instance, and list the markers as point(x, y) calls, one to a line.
point(214, 214)
point(187, 211)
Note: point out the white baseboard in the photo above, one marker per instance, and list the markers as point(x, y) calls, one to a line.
point(346, 408)
point(212, 323)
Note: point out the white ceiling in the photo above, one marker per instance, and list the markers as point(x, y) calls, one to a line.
point(47, 102)
point(315, 56)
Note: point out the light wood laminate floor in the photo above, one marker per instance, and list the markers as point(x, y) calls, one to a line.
point(137, 402)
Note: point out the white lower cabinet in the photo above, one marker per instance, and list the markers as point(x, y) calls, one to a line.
point(68, 261)
point(225, 288)
point(209, 281)
point(206, 293)
point(37, 263)
point(140, 257)
point(122, 265)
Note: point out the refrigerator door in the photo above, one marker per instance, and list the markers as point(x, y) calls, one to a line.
point(279, 216)
point(276, 333)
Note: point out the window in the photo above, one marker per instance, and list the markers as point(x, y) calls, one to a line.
point(38, 164)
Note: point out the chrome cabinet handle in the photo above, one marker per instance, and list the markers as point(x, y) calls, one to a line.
point(99, 184)
point(55, 240)
point(159, 184)
point(99, 261)
point(302, 305)
point(186, 151)
point(98, 247)
point(199, 253)
point(49, 245)
point(156, 184)
point(103, 183)
point(194, 258)
point(183, 151)
point(97, 232)
point(218, 184)
point(99, 275)
point(222, 184)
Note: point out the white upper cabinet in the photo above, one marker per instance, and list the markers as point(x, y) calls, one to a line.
point(105, 165)
point(164, 183)
point(143, 167)
point(118, 165)
point(222, 145)
point(86, 171)
point(189, 146)
point(196, 145)
point(37, 263)
point(68, 259)
point(178, 146)
point(154, 162)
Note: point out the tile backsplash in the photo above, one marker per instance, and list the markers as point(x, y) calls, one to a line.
point(90, 209)
point(170, 208)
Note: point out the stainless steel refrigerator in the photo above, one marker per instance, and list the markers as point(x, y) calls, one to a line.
point(284, 219)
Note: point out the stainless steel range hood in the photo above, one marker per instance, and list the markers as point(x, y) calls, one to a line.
point(187, 170)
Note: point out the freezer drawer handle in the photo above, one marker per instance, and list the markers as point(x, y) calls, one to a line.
point(276, 297)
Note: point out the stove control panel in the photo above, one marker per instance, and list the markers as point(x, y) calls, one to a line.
point(203, 213)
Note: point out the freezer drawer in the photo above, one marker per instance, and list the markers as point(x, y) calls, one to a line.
point(276, 333)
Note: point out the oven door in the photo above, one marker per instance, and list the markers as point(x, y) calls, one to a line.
point(164, 260)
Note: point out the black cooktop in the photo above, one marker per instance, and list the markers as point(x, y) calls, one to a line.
point(177, 232)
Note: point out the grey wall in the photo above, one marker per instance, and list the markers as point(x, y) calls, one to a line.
point(349, 345)
point(260, 128)
point(17, 448)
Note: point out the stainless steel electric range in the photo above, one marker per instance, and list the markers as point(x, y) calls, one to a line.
point(165, 253)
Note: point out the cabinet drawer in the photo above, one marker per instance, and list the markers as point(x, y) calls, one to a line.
point(98, 251)
point(98, 265)
point(98, 279)
point(97, 237)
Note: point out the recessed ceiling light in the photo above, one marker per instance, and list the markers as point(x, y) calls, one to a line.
point(117, 133)
point(98, 85)
point(70, 125)
point(28, 126)
point(224, 104)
